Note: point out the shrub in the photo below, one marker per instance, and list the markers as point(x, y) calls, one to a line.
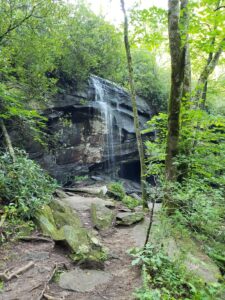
point(169, 280)
point(117, 189)
point(130, 202)
point(24, 184)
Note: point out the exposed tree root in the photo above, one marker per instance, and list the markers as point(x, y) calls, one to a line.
point(5, 276)
point(43, 293)
point(49, 297)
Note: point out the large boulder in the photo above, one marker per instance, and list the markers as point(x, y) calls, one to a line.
point(61, 223)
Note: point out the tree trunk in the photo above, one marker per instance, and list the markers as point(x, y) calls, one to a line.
point(177, 52)
point(184, 20)
point(207, 71)
point(134, 106)
point(212, 61)
point(7, 140)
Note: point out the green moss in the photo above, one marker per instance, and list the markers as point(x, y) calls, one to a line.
point(61, 223)
point(64, 215)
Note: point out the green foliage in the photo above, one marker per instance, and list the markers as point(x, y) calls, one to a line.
point(202, 146)
point(199, 193)
point(205, 37)
point(24, 186)
point(1, 285)
point(151, 80)
point(117, 189)
point(149, 27)
point(81, 178)
point(165, 279)
point(94, 46)
point(130, 202)
point(14, 226)
point(156, 148)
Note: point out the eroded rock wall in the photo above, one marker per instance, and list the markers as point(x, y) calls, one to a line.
point(79, 141)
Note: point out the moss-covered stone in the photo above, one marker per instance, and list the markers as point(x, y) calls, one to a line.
point(61, 223)
point(47, 224)
point(101, 216)
point(64, 215)
point(129, 218)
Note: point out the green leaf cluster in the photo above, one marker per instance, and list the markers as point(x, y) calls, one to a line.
point(24, 187)
point(164, 279)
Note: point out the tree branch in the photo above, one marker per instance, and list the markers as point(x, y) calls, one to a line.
point(27, 16)
point(220, 7)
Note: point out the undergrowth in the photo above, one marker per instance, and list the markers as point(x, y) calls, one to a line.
point(164, 279)
point(117, 189)
point(24, 188)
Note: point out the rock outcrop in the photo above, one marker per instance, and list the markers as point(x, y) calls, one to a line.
point(89, 130)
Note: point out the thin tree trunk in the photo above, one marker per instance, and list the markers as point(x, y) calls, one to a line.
point(204, 96)
point(207, 71)
point(184, 20)
point(8, 141)
point(212, 61)
point(134, 106)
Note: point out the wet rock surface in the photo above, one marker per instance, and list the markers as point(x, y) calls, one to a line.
point(89, 130)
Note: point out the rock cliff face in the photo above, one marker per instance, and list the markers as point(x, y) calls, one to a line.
point(90, 130)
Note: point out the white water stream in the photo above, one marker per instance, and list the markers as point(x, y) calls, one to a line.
point(107, 114)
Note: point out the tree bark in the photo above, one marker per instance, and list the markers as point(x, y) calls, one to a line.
point(134, 106)
point(206, 72)
point(8, 141)
point(177, 41)
point(184, 21)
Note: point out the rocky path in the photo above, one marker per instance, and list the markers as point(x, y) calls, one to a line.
point(118, 280)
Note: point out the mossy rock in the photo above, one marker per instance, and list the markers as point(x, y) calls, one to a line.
point(61, 223)
point(64, 215)
point(102, 217)
point(129, 218)
point(47, 224)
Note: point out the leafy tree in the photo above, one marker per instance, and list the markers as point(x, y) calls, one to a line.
point(93, 45)
point(151, 81)
point(26, 33)
point(207, 38)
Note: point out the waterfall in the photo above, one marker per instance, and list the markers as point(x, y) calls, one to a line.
point(107, 114)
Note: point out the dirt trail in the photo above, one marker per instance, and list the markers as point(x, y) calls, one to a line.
point(30, 285)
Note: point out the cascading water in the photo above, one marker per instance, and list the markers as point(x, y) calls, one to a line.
point(107, 114)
